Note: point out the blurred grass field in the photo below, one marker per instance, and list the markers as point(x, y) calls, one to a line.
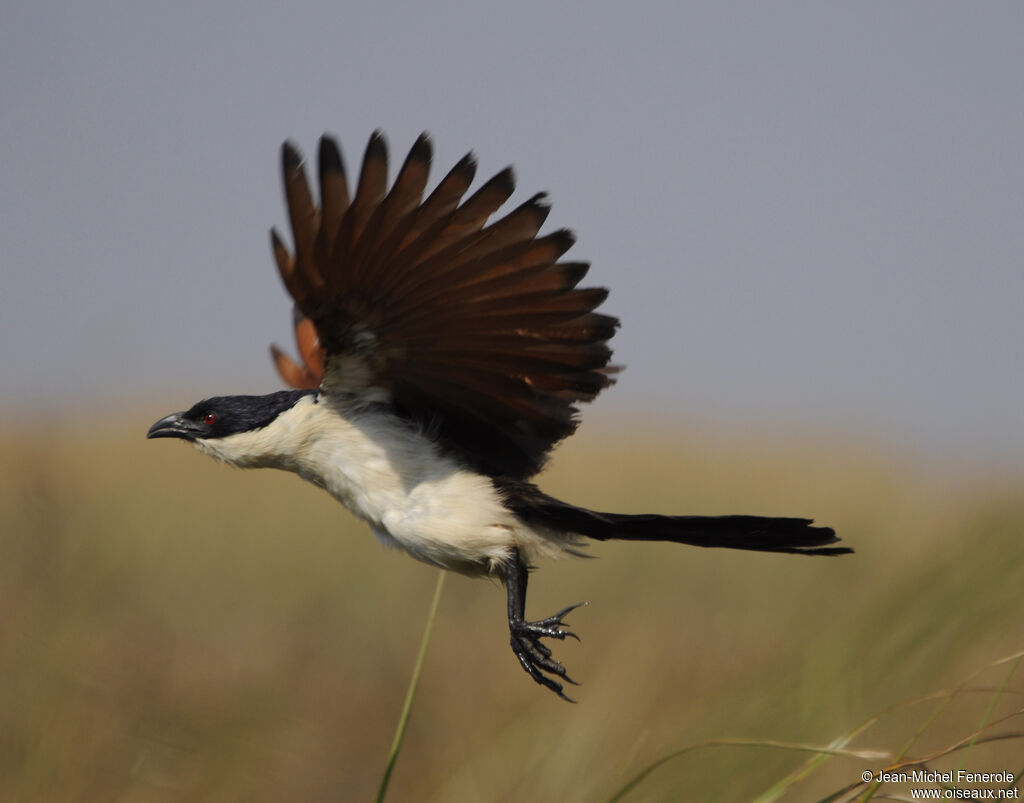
point(174, 630)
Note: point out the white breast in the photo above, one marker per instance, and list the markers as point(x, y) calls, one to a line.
point(394, 477)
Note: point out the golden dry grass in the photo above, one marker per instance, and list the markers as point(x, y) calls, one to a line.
point(174, 630)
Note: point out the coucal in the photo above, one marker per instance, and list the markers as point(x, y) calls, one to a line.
point(442, 357)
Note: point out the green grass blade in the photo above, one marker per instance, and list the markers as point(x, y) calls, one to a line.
point(403, 719)
point(991, 707)
point(1014, 660)
point(864, 755)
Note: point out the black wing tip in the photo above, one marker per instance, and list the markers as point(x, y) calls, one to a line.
point(421, 153)
point(604, 327)
point(464, 170)
point(504, 180)
point(598, 295)
point(574, 272)
point(329, 157)
point(565, 239)
point(538, 206)
point(423, 148)
point(291, 156)
point(377, 147)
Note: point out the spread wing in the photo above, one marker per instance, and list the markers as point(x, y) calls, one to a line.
point(475, 330)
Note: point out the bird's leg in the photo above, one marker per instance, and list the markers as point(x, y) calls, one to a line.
point(525, 637)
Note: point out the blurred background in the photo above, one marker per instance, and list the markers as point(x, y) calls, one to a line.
point(810, 221)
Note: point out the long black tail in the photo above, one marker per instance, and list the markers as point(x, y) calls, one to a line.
point(759, 533)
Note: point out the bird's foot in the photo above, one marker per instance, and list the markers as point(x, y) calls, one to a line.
point(535, 656)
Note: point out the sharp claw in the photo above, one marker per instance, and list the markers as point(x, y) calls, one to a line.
point(557, 618)
point(535, 656)
point(553, 685)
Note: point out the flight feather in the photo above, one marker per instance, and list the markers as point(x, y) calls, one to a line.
point(474, 329)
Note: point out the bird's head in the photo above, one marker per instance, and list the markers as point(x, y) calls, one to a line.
point(244, 431)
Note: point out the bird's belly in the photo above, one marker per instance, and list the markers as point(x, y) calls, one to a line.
point(456, 522)
point(412, 496)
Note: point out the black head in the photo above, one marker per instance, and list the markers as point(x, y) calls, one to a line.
point(226, 415)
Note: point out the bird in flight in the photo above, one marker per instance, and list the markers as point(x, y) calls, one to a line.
point(442, 357)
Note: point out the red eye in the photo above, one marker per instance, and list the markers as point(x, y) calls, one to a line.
point(209, 418)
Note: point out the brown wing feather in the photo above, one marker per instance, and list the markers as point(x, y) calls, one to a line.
point(476, 331)
point(334, 198)
point(291, 372)
point(310, 350)
point(308, 374)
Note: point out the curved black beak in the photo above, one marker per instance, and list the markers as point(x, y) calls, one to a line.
point(174, 426)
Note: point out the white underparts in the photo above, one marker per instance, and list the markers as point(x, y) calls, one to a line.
point(392, 476)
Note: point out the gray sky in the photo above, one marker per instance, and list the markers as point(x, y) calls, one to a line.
point(809, 214)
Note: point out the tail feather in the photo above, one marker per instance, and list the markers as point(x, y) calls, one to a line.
point(757, 533)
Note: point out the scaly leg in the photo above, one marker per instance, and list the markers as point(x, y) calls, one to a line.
point(525, 637)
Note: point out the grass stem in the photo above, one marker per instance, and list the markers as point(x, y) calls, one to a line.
point(410, 694)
